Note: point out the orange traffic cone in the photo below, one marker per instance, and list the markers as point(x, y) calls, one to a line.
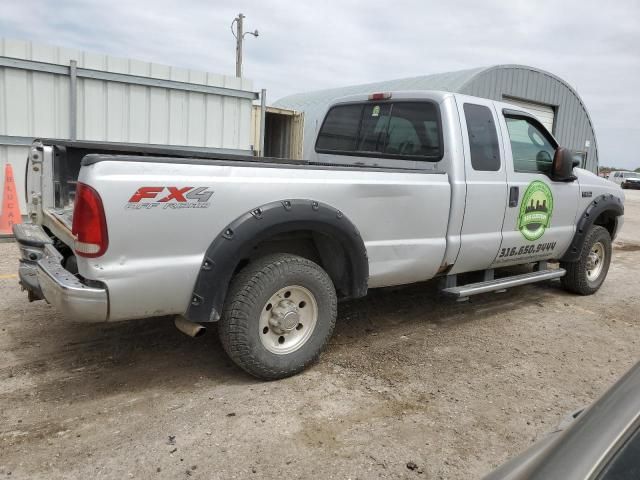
point(10, 209)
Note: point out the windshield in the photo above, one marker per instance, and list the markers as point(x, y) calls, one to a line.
point(631, 175)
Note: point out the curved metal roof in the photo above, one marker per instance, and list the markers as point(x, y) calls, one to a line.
point(483, 82)
point(448, 82)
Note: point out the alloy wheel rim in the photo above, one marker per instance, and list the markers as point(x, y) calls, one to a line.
point(595, 261)
point(288, 319)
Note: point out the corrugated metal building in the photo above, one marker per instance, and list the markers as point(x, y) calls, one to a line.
point(53, 92)
point(551, 99)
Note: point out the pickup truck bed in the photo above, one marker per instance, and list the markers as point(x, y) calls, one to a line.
point(59, 177)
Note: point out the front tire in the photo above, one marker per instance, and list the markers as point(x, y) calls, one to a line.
point(586, 275)
point(279, 315)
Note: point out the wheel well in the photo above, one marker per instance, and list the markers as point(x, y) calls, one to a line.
point(607, 219)
point(602, 211)
point(318, 247)
point(304, 227)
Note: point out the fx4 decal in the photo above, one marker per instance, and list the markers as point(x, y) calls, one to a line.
point(146, 198)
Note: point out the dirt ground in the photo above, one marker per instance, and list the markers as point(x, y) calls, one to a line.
point(454, 388)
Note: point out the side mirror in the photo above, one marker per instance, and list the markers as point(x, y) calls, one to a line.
point(562, 166)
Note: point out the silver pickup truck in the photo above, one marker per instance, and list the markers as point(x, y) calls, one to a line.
point(402, 187)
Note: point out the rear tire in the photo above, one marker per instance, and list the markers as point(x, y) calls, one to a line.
point(279, 315)
point(586, 275)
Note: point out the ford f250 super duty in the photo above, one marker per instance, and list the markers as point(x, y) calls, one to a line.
point(402, 187)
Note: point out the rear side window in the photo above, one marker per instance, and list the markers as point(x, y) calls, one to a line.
point(532, 151)
point(483, 138)
point(409, 130)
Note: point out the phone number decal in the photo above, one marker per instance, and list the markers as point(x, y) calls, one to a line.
point(524, 250)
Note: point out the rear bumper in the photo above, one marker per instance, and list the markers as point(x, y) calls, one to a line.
point(43, 276)
point(631, 185)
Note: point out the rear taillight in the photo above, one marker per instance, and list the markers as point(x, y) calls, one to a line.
point(89, 223)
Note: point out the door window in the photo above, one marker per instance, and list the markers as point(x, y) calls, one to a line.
point(532, 151)
point(483, 138)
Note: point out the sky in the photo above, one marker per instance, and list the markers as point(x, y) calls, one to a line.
point(304, 46)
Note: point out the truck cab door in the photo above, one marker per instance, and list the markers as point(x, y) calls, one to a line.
point(486, 183)
point(540, 218)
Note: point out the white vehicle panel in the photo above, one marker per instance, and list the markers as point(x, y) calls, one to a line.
point(154, 254)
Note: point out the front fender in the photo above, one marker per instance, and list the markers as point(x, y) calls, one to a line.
point(604, 204)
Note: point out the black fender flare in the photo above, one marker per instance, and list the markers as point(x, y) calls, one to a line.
point(604, 203)
point(240, 237)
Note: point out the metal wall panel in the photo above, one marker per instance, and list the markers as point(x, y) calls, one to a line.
point(37, 104)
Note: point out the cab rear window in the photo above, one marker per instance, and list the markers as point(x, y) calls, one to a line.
point(400, 129)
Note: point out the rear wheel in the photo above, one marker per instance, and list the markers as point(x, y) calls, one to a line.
point(586, 275)
point(279, 315)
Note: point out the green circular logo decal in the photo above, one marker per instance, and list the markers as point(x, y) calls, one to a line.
point(535, 210)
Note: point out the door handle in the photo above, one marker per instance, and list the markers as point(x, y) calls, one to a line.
point(514, 196)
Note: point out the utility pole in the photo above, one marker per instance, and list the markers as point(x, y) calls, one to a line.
point(239, 38)
point(239, 33)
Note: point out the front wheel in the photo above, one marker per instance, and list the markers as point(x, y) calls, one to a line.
point(586, 275)
point(279, 315)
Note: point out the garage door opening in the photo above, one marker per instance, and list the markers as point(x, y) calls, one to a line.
point(545, 113)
